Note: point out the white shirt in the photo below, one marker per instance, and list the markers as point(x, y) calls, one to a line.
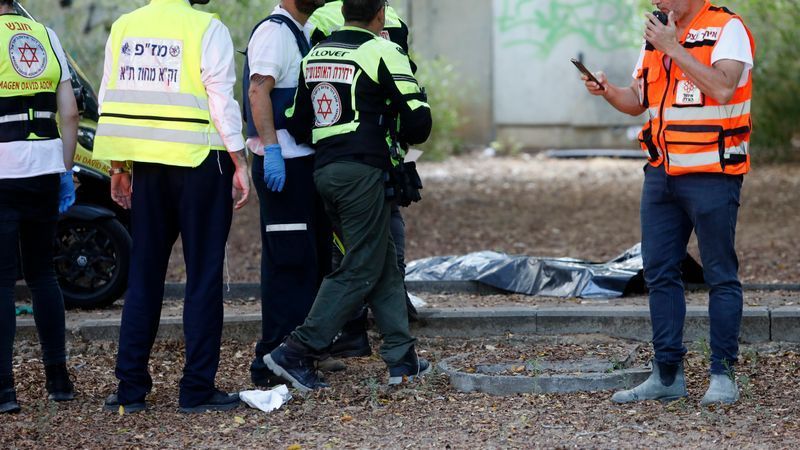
point(23, 159)
point(218, 73)
point(733, 44)
point(272, 52)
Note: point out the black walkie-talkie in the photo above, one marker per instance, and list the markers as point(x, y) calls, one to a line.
point(661, 18)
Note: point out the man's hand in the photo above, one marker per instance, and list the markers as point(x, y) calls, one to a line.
point(121, 189)
point(241, 179)
point(274, 168)
point(595, 88)
point(663, 37)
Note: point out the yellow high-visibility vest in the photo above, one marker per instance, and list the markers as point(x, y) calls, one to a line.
point(29, 77)
point(155, 107)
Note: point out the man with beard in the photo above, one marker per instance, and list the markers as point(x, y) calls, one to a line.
point(295, 233)
point(167, 105)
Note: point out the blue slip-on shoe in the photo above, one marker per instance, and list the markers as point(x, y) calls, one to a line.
point(219, 401)
point(408, 369)
point(294, 363)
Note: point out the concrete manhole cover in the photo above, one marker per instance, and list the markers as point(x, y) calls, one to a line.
point(569, 368)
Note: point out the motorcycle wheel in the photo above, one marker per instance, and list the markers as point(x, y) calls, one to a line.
point(91, 262)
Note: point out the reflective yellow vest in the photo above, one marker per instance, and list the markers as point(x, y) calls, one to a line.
point(155, 107)
point(29, 77)
point(329, 18)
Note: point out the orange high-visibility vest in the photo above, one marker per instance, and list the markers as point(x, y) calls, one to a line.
point(689, 131)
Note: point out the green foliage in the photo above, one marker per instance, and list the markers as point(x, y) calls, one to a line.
point(83, 29)
point(442, 84)
point(776, 75)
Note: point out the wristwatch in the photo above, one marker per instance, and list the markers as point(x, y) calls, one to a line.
point(116, 171)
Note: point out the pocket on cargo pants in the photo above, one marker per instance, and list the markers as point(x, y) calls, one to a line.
point(289, 246)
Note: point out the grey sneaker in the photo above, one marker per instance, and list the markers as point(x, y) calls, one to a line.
point(722, 390)
point(665, 384)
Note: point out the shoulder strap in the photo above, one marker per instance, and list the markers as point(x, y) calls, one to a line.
point(302, 45)
point(300, 37)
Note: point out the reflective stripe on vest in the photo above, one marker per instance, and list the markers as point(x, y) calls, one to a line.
point(705, 158)
point(155, 108)
point(687, 130)
point(156, 98)
point(160, 134)
point(721, 112)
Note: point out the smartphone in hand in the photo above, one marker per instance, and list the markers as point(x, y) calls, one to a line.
point(586, 72)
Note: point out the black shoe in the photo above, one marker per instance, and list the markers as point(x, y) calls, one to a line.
point(219, 401)
point(8, 401)
point(295, 364)
point(59, 386)
point(351, 345)
point(408, 369)
point(261, 376)
point(112, 404)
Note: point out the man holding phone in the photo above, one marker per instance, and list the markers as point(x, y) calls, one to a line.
point(694, 80)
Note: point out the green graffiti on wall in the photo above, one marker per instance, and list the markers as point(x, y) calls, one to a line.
point(542, 24)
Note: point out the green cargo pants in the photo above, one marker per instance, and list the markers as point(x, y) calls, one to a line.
point(354, 199)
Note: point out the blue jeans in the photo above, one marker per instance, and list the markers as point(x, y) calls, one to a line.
point(673, 206)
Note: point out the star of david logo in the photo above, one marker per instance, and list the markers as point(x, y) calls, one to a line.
point(24, 51)
point(327, 102)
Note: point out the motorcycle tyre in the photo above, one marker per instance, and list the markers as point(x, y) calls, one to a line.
point(114, 289)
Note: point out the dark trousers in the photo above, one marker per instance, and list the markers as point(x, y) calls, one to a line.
point(295, 250)
point(673, 206)
point(355, 202)
point(196, 204)
point(397, 228)
point(28, 215)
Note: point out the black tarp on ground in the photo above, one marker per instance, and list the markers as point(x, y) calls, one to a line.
point(554, 277)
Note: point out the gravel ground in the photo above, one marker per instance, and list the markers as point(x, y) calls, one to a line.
point(359, 412)
point(532, 205)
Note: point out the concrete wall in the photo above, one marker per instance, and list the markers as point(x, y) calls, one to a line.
point(459, 32)
point(513, 60)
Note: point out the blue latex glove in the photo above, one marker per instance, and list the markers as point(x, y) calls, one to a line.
point(274, 168)
point(66, 192)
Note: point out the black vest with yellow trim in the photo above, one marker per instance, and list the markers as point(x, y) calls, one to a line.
point(351, 85)
point(29, 78)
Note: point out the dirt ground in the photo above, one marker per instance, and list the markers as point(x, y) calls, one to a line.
point(533, 205)
point(524, 205)
point(359, 412)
